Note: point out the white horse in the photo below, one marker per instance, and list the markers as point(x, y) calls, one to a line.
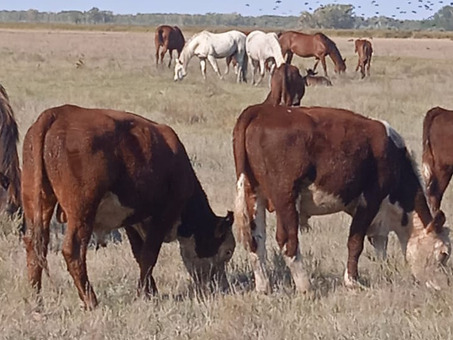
point(211, 46)
point(261, 48)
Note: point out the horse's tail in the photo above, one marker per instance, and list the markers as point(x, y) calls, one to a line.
point(159, 37)
point(243, 174)
point(9, 136)
point(277, 50)
point(37, 236)
point(245, 65)
point(427, 156)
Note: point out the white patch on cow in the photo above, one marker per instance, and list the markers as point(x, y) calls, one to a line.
point(362, 201)
point(297, 271)
point(393, 135)
point(313, 201)
point(426, 171)
point(348, 281)
point(241, 217)
point(261, 279)
point(389, 218)
point(110, 215)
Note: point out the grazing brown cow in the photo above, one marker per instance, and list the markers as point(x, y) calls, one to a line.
point(9, 161)
point(311, 79)
point(287, 86)
point(316, 45)
point(170, 38)
point(437, 153)
point(301, 162)
point(365, 51)
point(108, 169)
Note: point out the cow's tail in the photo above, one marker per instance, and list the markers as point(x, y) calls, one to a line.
point(242, 220)
point(427, 157)
point(36, 235)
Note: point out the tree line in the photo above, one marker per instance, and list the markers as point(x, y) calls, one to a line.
point(332, 16)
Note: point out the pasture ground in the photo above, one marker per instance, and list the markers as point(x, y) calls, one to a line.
point(38, 69)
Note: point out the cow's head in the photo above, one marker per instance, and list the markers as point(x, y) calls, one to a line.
point(205, 256)
point(428, 249)
point(180, 71)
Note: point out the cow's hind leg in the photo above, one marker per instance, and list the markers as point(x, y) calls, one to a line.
point(37, 236)
point(250, 228)
point(74, 251)
point(287, 239)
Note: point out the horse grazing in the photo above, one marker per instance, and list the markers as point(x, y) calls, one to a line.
point(316, 45)
point(108, 169)
point(287, 86)
point(211, 46)
point(9, 162)
point(364, 49)
point(170, 38)
point(301, 162)
point(262, 48)
point(311, 79)
point(437, 153)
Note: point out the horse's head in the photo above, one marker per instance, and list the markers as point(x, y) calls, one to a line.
point(340, 67)
point(180, 71)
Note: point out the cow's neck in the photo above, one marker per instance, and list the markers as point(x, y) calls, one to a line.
point(197, 218)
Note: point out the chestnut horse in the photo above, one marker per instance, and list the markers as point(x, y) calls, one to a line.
point(364, 49)
point(9, 161)
point(170, 38)
point(316, 45)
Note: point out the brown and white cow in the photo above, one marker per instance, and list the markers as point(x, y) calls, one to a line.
point(108, 169)
point(437, 153)
point(301, 162)
point(365, 51)
point(287, 86)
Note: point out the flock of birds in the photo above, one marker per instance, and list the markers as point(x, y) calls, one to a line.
point(400, 8)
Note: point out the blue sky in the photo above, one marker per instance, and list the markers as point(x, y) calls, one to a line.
point(244, 7)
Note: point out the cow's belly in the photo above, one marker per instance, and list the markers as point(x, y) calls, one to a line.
point(313, 201)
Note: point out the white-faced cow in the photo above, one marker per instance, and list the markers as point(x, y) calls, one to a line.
point(108, 169)
point(437, 153)
point(301, 162)
point(287, 86)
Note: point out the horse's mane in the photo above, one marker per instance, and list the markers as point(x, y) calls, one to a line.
point(332, 48)
point(9, 136)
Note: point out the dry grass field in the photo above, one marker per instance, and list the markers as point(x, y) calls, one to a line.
point(38, 69)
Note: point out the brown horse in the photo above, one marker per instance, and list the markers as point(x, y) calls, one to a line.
point(9, 161)
point(316, 45)
point(170, 38)
point(365, 50)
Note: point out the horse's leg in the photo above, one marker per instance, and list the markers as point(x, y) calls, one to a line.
point(228, 61)
point(316, 64)
point(358, 65)
point(157, 55)
point(324, 66)
point(254, 64)
point(213, 61)
point(368, 67)
point(162, 54)
point(289, 57)
point(170, 52)
point(203, 67)
point(262, 70)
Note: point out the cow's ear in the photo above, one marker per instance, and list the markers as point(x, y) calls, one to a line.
point(437, 223)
